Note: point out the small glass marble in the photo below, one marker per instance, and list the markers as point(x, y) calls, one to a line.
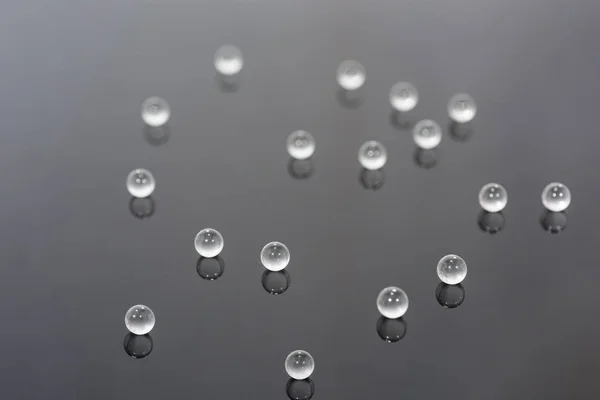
point(300, 145)
point(404, 96)
point(139, 320)
point(275, 256)
point(372, 155)
point(452, 269)
point(427, 134)
point(493, 197)
point(140, 183)
point(155, 111)
point(208, 243)
point(299, 364)
point(556, 197)
point(462, 108)
point(229, 60)
point(392, 302)
point(351, 75)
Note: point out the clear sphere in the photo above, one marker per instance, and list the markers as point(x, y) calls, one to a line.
point(462, 108)
point(351, 75)
point(372, 155)
point(452, 269)
point(300, 145)
point(493, 197)
point(556, 197)
point(404, 96)
point(392, 302)
point(208, 243)
point(155, 111)
point(275, 256)
point(427, 134)
point(229, 60)
point(140, 183)
point(139, 320)
point(299, 364)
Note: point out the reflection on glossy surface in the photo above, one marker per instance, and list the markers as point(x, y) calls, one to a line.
point(210, 268)
point(300, 389)
point(138, 346)
point(371, 179)
point(300, 169)
point(141, 207)
point(401, 121)
point(350, 99)
point(391, 330)
point(157, 135)
point(491, 223)
point(450, 296)
point(228, 83)
point(461, 132)
point(275, 282)
point(554, 222)
point(425, 158)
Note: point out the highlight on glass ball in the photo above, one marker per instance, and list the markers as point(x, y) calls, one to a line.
point(140, 183)
point(228, 60)
point(351, 75)
point(275, 256)
point(300, 145)
point(372, 155)
point(462, 108)
point(139, 319)
point(427, 134)
point(556, 197)
point(208, 243)
point(392, 302)
point(155, 111)
point(299, 364)
point(404, 96)
point(493, 197)
point(452, 269)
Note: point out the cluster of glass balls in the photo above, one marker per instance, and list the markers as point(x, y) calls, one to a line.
point(556, 197)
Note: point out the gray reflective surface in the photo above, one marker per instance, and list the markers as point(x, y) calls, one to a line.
point(73, 258)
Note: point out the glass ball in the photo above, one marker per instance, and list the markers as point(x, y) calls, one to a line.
point(229, 60)
point(299, 364)
point(493, 197)
point(351, 75)
point(140, 183)
point(139, 320)
point(462, 108)
point(404, 96)
point(392, 302)
point(427, 134)
point(556, 197)
point(275, 256)
point(301, 145)
point(208, 242)
point(155, 111)
point(372, 155)
point(452, 269)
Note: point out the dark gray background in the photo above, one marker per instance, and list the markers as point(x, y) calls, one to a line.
point(73, 75)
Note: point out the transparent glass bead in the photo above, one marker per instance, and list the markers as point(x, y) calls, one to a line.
point(404, 96)
point(301, 145)
point(556, 197)
point(462, 108)
point(299, 364)
point(208, 242)
point(452, 269)
point(372, 155)
point(493, 197)
point(155, 111)
point(139, 320)
point(275, 256)
point(392, 302)
point(140, 183)
point(351, 75)
point(427, 134)
point(229, 60)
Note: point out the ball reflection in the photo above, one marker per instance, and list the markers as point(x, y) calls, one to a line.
point(141, 207)
point(491, 223)
point(300, 389)
point(300, 169)
point(275, 282)
point(371, 179)
point(425, 158)
point(391, 330)
point(554, 222)
point(138, 346)
point(450, 296)
point(210, 268)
